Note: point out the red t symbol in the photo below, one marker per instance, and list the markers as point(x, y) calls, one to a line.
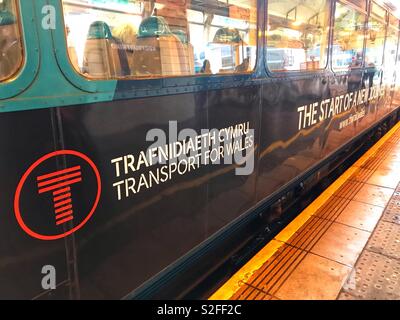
point(59, 183)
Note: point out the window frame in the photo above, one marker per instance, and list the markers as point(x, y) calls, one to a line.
point(376, 16)
point(351, 3)
point(29, 67)
point(385, 21)
point(296, 73)
point(96, 85)
point(391, 27)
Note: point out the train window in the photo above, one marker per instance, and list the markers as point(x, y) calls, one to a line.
point(160, 38)
point(391, 46)
point(11, 53)
point(348, 37)
point(376, 31)
point(297, 35)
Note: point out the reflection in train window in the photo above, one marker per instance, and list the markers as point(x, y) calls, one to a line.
point(378, 11)
point(376, 30)
point(390, 52)
point(11, 53)
point(348, 38)
point(160, 38)
point(361, 4)
point(297, 36)
point(391, 43)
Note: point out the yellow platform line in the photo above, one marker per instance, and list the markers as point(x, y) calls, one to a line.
point(229, 288)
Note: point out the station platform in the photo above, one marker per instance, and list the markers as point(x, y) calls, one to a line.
point(345, 245)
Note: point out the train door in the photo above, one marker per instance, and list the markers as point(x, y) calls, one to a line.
point(228, 38)
point(297, 38)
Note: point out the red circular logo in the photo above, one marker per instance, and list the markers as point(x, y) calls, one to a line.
point(51, 203)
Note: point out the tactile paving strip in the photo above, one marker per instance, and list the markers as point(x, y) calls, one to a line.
point(386, 240)
point(267, 280)
point(272, 274)
point(373, 162)
point(309, 234)
point(396, 139)
point(350, 188)
point(332, 208)
point(392, 212)
point(362, 175)
point(376, 278)
point(254, 295)
point(377, 271)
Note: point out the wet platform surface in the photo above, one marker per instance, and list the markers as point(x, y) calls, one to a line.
point(344, 245)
